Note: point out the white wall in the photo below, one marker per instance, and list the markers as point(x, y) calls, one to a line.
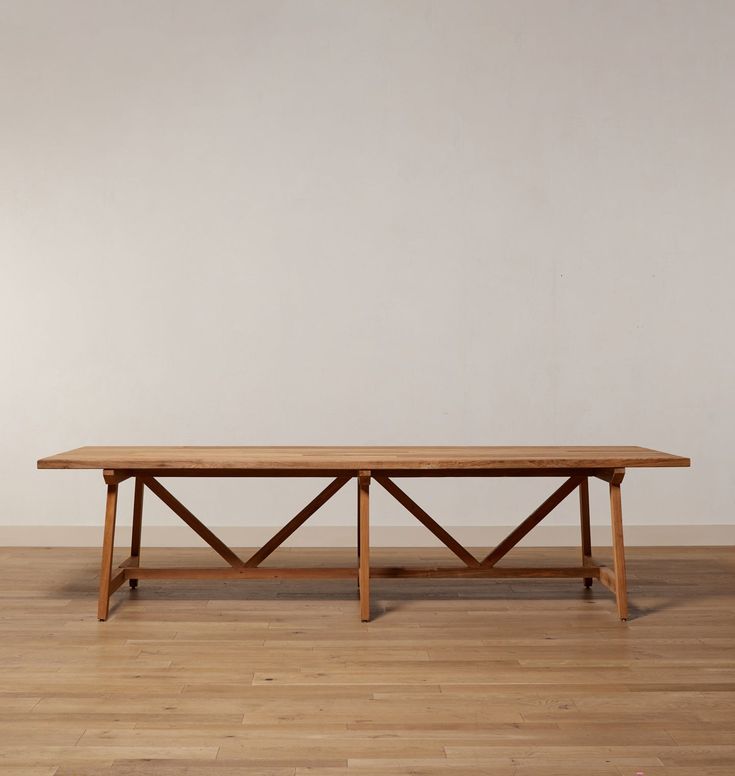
point(367, 222)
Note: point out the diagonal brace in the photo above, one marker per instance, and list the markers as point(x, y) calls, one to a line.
point(532, 520)
point(193, 522)
point(295, 522)
point(428, 521)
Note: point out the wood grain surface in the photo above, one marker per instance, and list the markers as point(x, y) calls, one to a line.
point(350, 458)
point(278, 678)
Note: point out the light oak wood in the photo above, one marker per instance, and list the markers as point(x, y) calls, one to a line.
point(280, 537)
point(143, 463)
point(531, 521)
point(357, 523)
point(584, 520)
point(484, 572)
point(274, 678)
point(425, 519)
point(210, 473)
point(356, 458)
point(616, 516)
point(135, 535)
point(112, 477)
point(335, 572)
point(193, 522)
point(108, 543)
point(363, 522)
point(613, 476)
point(607, 578)
point(116, 580)
point(241, 572)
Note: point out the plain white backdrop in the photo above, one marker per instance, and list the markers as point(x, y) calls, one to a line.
point(367, 222)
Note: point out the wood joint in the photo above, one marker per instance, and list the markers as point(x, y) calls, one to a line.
point(607, 578)
point(115, 476)
point(613, 476)
point(117, 580)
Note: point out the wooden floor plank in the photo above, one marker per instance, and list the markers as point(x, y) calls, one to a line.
point(278, 678)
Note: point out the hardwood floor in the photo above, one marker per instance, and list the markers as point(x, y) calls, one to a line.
point(279, 678)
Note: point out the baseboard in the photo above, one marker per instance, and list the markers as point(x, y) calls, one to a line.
point(381, 535)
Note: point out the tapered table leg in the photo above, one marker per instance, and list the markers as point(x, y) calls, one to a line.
point(363, 520)
point(584, 521)
point(616, 517)
point(108, 544)
point(137, 526)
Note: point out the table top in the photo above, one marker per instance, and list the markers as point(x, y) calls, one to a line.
point(352, 458)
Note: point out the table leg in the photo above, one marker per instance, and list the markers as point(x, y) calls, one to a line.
point(363, 520)
point(358, 530)
point(108, 543)
point(137, 525)
point(616, 517)
point(584, 520)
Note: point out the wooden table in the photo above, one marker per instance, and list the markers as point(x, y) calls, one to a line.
point(363, 464)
